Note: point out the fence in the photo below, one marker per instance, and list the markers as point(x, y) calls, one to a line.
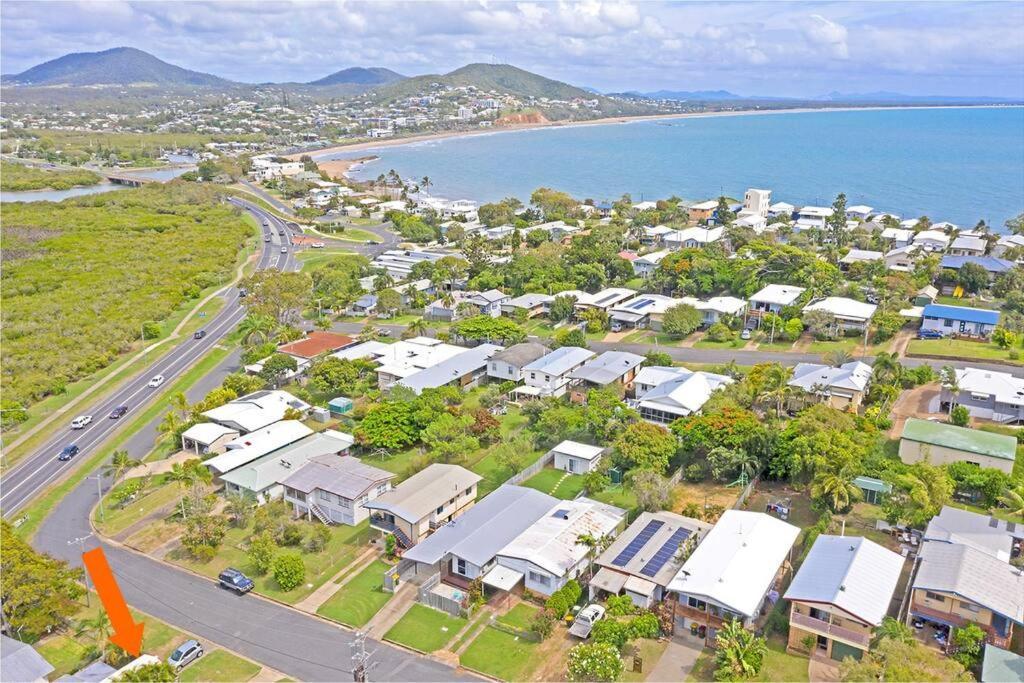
point(533, 469)
point(392, 577)
point(532, 636)
point(443, 603)
point(745, 493)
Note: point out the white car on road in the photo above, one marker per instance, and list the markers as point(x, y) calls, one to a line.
point(156, 381)
point(81, 421)
point(318, 245)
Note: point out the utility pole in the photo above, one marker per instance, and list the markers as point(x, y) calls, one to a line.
point(360, 658)
point(99, 495)
point(81, 544)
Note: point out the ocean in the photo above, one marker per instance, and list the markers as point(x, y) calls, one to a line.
point(956, 164)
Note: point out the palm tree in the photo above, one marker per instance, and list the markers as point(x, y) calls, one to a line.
point(836, 488)
point(238, 509)
point(1013, 498)
point(99, 627)
point(425, 182)
point(887, 369)
point(418, 327)
point(190, 475)
point(120, 462)
point(949, 382)
point(256, 329)
point(893, 630)
point(595, 545)
point(838, 358)
point(740, 653)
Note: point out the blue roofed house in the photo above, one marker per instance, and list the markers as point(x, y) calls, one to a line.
point(959, 320)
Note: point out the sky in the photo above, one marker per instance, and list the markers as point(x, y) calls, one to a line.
point(802, 49)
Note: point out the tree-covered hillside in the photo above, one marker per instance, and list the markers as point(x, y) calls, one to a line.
point(80, 278)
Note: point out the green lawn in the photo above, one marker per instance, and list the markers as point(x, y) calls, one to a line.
point(649, 651)
point(778, 665)
point(501, 655)
point(314, 258)
point(350, 234)
point(345, 545)
point(65, 654)
point(425, 629)
point(617, 495)
point(520, 616)
point(959, 348)
point(115, 519)
point(359, 599)
point(848, 344)
point(220, 665)
point(546, 479)
point(731, 344)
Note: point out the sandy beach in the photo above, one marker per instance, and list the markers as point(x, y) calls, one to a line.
point(346, 164)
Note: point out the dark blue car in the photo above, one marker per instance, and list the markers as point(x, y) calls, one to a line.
point(929, 334)
point(68, 453)
point(236, 581)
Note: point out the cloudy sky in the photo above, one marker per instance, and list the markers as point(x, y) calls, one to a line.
point(760, 48)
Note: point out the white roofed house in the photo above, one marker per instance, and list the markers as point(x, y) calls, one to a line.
point(843, 591)
point(652, 235)
point(988, 395)
point(901, 259)
point(781, 209)
point(575, 457)
point(207, 437)
point(1006, 243)
point(646, 265)
point(691, 238)
point(849, 314)
point(932, 240)
point(403, 358)
point(772, 299)
point(756, 202)
point(489, 302)
point(645, 557)
point(463, 370)
point(755, 222)
point(841, 387)
point(665, 394)
point(549, 374)
point(965, 245)
point(734, 573)
point(604, 300)
point(860, 256)
point(716, 307)
point(897, 237)
point(334, 487)
point(812, 217)
point(611, 368)
point(859, 211)
point(256, 410)
point(254, 445)
point(548, 553)
point(646, 310)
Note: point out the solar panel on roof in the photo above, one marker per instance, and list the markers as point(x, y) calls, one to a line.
point(665, 553)
point(642, 303)
point(637, 543)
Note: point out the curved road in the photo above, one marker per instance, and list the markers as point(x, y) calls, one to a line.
point(291, 642)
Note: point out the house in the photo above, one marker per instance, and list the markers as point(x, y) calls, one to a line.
point(965, 245)
point(549, 374)
point(260, 480)
point(256, 410)
point(665, 394)
point(997, 537)
point(316, 343)
point(644, 311)
point(781, 209)
point(994, 266)
point(926, 295)
point(959, 320)
point(702, 211)
point(334, 488)
point(772, 299)
point(843, 387)
point(897, 237)
point(575, 457)
point(859, 211)
point(610, 368)
point(507, 365)
point(424, 502)
point(755, 222)
point(1007, 243)
point(692, 238)
point(487, 303)
point(957, 585)
point(860, 256)
point(988, 395)
point(463, 370)
point(653, 235)
point(757, 202)
point(931, 240)
point(398, 263)
point(548, 553)
point(716, 307)
point(403, 358)
point(20, 662)
point(1000, 666)
point(467, 549)
point(604, 300)
point(940, 443)
point(901, 259)
point(364, 305)
point(843, 591)
point(644, 558)
point(849, 314)
point(253, 445)
point(731, 573)
point(207, 437)
point(646, 265)
point(808, 217)
point(532, 304)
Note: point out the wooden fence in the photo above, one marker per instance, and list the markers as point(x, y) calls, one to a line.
point(533, 469)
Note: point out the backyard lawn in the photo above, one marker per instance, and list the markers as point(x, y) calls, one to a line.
point(545, 480)
point(219, 665)
point(425, 629)
point(520, 616)
point(359, 599)
point(501, 655)
point(618, 495)
point(778, 665)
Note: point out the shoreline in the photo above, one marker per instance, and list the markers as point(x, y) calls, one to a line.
point(608, 121)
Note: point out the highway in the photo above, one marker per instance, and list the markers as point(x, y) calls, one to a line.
point(42, 468)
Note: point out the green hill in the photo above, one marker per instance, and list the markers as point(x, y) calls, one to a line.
point(117, 66)
point(502, 78)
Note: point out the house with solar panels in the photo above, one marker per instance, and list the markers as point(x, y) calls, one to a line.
point(645, 311)
point(645, 557)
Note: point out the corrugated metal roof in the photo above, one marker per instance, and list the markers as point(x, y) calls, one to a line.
point(973, 575)
point(965, 313)
point(961, 438)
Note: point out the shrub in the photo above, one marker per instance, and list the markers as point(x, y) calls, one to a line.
point(620, 605)
point(289, 534)
point(318, 539)
point(644, 626)
point(543, 623)
point(695, 472)
point(610, 631)
point(261, 552)
point(720, 332)
point(573, 590)
point(558, 604)
point(594, 662)
point(289, 570)
point(960, 416)
point(202, 553)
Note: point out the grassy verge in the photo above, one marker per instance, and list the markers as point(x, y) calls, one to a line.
point(37, 511)
point(220, 665)
point(317, 257)
point(501, 655)
point(111, 518)
point(357, 601)
point(959, 349)
point(425, 629)
point(649, 652)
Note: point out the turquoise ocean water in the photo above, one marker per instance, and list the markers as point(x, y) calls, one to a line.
point(957, 164)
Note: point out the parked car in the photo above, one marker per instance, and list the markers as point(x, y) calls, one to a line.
point(68, 453)
point(236, 581)
point(199, 334)
point(584, 622)
point(929, 334)
point(81, 421)
point(187, 652)
point(242, 291)
point(318, 245)
point(616, 326)
point(156, 381)
point(118, 412)
point(745, 334)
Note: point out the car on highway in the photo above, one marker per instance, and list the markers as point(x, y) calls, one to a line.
point(242, 291)
point(266, 238)
point(372, 242)
point(318, 245)
point(68, 453)
point(284, 250)
point(81, 421)
point(235, 580)
point(118, 412)
point(199, 334)
point(156, 381)
point(280, 232)
point(187, 652)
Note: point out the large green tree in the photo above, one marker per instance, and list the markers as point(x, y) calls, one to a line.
point(643, 445)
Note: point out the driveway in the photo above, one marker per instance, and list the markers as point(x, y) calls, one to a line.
point(676, 662)
point(917, 402)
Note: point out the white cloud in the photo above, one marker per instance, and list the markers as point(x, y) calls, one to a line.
point(820, 31)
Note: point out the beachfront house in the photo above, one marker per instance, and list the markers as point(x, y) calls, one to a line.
point(939, 443)
point(333, 488)
point(992, 265)
point(987, 395)
point(702, 211)
point(959, 320)
point(931, 240)
point(966, 245)
point(897, 237)
point(812, 217)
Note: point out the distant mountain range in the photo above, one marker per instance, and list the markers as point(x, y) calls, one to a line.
point(359, 75)
point(832, 97)
point(500, 77)
point(117, 66)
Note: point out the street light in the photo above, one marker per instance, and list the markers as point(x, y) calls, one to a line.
point(81, 544)
point(99, 494)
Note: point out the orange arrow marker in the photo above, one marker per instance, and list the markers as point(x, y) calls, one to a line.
point(127, 633)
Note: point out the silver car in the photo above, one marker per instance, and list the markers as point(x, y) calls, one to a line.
point(187, 652)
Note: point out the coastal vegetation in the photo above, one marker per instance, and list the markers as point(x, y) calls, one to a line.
point(19, 178)
point(82, 278)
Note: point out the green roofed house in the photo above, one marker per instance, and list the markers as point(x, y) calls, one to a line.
point(1001, 665)
point(941, 443)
